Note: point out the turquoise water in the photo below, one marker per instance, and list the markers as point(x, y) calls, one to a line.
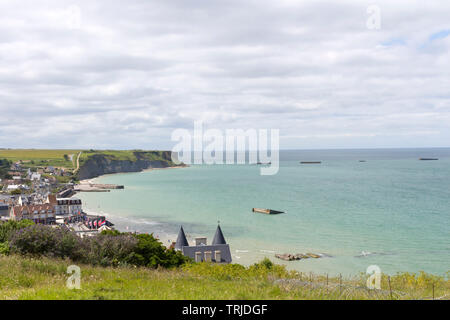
point(392, 210)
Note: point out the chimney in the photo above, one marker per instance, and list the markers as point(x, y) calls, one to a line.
point(200, 241)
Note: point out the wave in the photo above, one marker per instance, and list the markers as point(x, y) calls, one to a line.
point(364, 254)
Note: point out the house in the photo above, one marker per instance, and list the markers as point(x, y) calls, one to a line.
point(40, 213)
point(218, 251)
point(24, 200)
point(50, 169)
point(35, 177)
point(12, 187)
point(16, 166)
point(4, 210)
point(65, 206)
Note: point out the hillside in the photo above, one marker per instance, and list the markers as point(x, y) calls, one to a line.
point(94, 163)
point(43, 278)
point(86, 164)
point(4, 168)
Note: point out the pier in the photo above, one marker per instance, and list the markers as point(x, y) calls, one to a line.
point(96, 187)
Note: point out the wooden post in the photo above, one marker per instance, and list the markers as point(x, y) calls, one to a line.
point(340, 283)
point(327, 283)
point(390, 288)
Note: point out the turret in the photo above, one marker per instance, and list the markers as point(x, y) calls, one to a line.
point(181, 240)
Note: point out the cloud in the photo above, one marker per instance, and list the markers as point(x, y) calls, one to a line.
point(106, 74)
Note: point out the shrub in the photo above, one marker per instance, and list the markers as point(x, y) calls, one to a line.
point(107, 250)
point(9, 227)
point(149, 252)
point(4, 248)
point(44, 240)
point(111, 248)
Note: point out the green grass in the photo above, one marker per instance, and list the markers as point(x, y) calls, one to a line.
point(122, 155)
point(27, 278)
point(43, 158)
point(40, 158)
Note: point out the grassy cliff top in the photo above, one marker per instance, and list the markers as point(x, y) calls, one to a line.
point(131, 155)
point(68, 158)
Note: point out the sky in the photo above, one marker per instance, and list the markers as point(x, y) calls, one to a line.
point(125, 75)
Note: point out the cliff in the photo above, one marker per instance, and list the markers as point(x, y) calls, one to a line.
point(95, 163)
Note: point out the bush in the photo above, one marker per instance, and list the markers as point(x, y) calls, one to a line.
point(149, 252)
point(43, 240)
point(111, 248)
point(9, 227)
point(4, 248)
point(107, 250)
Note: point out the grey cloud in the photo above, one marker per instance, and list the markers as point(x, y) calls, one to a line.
point(131, 73)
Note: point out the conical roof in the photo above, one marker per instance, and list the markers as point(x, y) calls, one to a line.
point(218, 237)
point(181, 240)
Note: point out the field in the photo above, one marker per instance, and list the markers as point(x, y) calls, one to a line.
point(43, 278)
point(55, 158)
point(129, 155)
point(116, 154)
point(40, 158)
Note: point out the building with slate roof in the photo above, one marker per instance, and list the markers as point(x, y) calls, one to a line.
point(218, 251)
point(4, 210)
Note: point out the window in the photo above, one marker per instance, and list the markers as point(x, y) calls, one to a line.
point(208, 255)
point(218, 256)
point(198, 256)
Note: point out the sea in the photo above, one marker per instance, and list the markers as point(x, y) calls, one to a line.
point(357, 208)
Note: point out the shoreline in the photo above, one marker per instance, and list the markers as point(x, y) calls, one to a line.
point(342, 257)
point(92, 180)
point(165, 238)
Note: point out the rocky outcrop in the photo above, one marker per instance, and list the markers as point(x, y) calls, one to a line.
point(99, 164)
point(297, 256)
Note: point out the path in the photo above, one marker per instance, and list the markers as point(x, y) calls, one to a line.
point(78, 162)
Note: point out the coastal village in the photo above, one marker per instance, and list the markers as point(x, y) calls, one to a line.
point(39, 196)
point(41, 185)
point(47, 195)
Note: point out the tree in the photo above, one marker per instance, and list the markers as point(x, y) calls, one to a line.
point(16, 192)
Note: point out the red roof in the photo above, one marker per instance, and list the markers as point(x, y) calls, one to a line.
point(19, 210)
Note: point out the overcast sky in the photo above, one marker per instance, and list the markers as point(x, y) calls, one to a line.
point(116, 74)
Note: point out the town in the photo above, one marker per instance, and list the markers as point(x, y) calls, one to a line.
point(44, 195)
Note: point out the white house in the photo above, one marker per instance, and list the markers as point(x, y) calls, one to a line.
point(65, 206)
point(35, 177)
point(12, 187)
